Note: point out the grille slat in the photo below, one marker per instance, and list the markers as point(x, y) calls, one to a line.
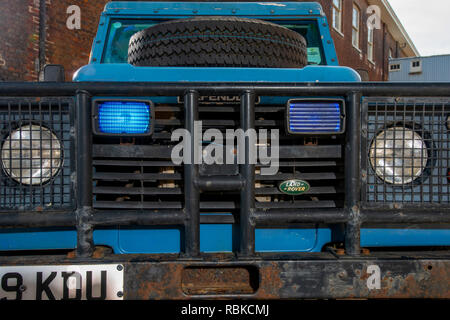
point(296, 205)
point(137, 205)
point(310, 152)
point(137, 191)
point(136, 176)
point(132, 151)
point(300, 164)
point(134, 163)
point(303, 176)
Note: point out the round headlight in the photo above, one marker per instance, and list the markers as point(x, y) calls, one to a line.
point(398, 155)
point(32, 155)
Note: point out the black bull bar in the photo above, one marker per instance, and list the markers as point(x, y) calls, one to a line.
point(322, 275)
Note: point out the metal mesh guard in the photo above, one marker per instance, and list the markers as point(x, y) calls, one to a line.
point(54, 116)
point(416, 118)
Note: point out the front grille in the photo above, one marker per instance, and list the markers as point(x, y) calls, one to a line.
point(319, 161)
point(54, 114)
point(138, 173)
point(428, 119)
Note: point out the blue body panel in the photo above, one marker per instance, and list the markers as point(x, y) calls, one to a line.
point(126, 72)
point(266, 9)
point(215, 238)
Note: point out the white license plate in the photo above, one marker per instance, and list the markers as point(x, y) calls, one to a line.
point(77, 282)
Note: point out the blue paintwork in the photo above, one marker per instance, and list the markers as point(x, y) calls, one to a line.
point(154, 240)
point(404, 237)
point(126, 72)
point(50, 239)
point(139, 9)
point(217, 238)
point(37, 239)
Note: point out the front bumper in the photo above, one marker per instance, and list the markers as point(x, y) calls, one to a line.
point(299, 276)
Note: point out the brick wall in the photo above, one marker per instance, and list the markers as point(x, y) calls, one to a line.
point(20, 43)
point(348, 55)
point(19, 37)
point(71, 48)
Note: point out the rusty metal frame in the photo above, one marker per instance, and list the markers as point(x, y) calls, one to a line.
point(299, 276)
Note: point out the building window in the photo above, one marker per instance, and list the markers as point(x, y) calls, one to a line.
point(394, 67)
point(355, 26)
point(391, 53)
point(416, 66)
point(337, 15)
point(370, 44)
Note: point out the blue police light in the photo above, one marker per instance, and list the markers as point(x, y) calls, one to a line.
point(315, 117)
point(124, 117)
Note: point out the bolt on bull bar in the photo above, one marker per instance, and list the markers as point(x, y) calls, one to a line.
point(353, 215)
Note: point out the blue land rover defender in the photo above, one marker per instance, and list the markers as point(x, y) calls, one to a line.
point(358, 205)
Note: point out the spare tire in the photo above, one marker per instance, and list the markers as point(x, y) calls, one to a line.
point(218, 42)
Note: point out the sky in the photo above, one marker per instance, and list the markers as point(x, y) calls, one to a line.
point(427, 23)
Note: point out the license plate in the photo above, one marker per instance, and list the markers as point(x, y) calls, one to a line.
point(62, 282)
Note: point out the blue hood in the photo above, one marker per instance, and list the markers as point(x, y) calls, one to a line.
point(129, 73)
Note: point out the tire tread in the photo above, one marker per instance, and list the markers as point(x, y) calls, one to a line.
point(218, 42)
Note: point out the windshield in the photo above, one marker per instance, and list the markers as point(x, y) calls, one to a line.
point(120, 32)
